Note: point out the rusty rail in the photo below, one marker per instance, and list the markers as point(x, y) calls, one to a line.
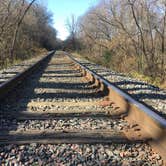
point(7, 86)
point(152, 124)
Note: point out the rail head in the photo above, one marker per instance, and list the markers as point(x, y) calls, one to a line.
point(14, 81)
point(153, 115)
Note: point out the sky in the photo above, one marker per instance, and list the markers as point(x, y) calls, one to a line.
point(63, 9)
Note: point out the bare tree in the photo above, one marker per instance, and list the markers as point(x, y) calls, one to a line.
point(20, 20)
point(129, 29)
point(71, 25)
point(24, 28)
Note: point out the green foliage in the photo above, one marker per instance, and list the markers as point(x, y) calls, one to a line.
point(107, 57)
point(154, 81)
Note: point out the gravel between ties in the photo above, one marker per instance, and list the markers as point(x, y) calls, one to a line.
point(6, 74)
point(58, 83)
point(79, 155)
point(142, 91)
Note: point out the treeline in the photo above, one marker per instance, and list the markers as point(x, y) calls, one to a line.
point(126, 35)
point(25, 27)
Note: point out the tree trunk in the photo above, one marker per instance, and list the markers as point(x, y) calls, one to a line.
point(17, 30)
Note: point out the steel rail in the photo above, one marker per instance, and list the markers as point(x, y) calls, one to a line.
point(151, 123)
point(125, 95)
point(7, 86)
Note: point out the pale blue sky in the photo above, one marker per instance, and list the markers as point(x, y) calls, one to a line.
point(63, 9)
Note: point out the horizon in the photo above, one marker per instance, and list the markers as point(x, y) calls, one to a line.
point(64, 9)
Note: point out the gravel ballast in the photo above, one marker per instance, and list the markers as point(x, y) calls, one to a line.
point(8, 73)
point(59, 88)
point(140, 90)
point(79, 155)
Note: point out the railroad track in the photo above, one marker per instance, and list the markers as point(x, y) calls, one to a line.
point(58, 101)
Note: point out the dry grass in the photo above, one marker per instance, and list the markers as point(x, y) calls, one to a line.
point(127, 66)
